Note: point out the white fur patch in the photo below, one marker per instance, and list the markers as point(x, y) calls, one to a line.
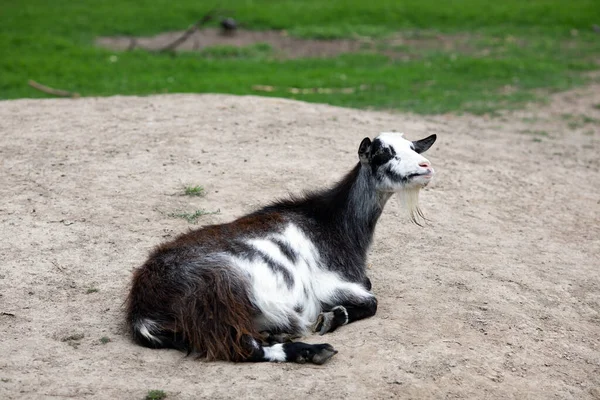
point(144, 327)
point(409, 198)
point(275, 353)
point(406, 162)
point(313, 283)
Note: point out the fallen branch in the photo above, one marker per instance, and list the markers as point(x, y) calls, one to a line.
point(189, 32)
point(263, 88)
point(348, 90)
point(293, 90)
point(52, 91)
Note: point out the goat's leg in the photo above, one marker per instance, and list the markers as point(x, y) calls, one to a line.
point(271, 338)
point(297, 352)
point(349, 311)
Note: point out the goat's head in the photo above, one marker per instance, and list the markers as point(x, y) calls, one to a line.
point(397, 166)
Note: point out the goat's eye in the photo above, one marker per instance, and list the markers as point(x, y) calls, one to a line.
point(381, 158)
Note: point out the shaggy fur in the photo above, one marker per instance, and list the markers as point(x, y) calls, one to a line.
point(231, 291)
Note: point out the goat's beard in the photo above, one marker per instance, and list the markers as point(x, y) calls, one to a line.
point(409, 198)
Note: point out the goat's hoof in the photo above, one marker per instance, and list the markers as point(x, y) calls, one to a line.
point(324, 323)
point(325, 352)
point(310, 353)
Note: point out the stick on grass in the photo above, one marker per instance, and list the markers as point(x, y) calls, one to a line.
point(189, 32)
point(52, 91)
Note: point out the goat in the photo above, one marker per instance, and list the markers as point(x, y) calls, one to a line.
point(241, 291)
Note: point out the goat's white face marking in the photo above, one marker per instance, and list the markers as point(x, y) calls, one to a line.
point(398, 166)
point(396, 162)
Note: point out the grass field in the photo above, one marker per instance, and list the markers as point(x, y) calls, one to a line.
point(514, 51)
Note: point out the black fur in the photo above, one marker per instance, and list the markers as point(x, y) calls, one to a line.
point(327, 216)
point(354, 311)
point(286, 250)
point(380, 154)
point(303, 353)
point(186, 297)
point(421, 146)
point(364, 151)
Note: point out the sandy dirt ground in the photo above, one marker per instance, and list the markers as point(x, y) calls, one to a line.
point(497, 297)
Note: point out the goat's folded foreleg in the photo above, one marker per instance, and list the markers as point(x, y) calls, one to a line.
point(271, 338)
point(353, 310)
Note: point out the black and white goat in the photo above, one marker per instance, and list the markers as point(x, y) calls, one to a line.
point(240, 291)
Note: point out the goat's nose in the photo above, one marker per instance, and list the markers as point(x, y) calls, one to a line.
point(425, 164)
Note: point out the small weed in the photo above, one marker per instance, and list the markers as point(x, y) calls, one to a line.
point(535, 139)
point(596, 106)
point(589, 120)
point(73, 340)
point(5, 380)
point(92, 290)
point(194, 191)
point(192, 218)
point(105, 340)
point(580, 120)
point(73, 337)
point(156, 395)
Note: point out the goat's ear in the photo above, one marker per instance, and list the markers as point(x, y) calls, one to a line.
point(421, 146)
point(364, 150)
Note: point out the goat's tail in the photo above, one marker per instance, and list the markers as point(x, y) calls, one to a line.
point(212, 317)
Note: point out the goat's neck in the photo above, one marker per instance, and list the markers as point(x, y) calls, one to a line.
point(361, 206)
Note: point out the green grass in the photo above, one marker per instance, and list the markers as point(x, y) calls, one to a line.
point(92, 290)
point(192, 218)
point(156, 395)
point(589, 120)
point(105, 340)
point(511, 51)
point(194, 191)
point(575, 121)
